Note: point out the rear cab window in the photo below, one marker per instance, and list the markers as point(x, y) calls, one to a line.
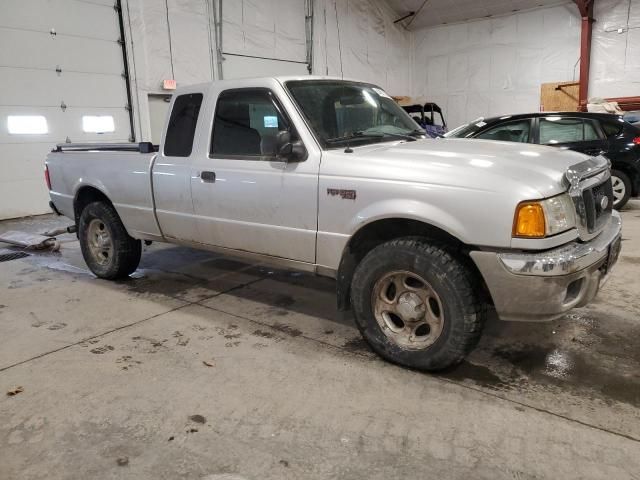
point(182, 125)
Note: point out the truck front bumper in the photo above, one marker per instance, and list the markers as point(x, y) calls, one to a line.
point(543, 286)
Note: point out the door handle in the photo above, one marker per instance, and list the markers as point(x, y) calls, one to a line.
point(209, 177)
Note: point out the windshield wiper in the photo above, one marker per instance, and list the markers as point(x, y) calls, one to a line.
point(406, 136)
point(358, 134)
point(362, 135)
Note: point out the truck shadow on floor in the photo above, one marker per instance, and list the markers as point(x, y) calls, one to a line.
point(586, 353)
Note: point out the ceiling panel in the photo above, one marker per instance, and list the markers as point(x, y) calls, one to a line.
point(438, 12)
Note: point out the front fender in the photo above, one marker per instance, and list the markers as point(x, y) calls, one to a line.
point(409, 209)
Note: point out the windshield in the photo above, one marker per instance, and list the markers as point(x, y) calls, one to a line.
point(350, 113)
point(468, 130)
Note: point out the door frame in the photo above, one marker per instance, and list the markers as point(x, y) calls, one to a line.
point(309, 167)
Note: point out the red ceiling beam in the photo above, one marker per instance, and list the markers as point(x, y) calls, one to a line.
point(586, 12)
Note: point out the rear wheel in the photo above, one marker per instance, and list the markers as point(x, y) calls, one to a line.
point(416, 304)
point(106, 246)
point(621, 188)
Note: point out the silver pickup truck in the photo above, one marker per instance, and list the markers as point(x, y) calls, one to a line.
point(328, 176)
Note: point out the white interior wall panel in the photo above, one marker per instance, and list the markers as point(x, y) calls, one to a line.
point(495, 66)
point(358, 39)
point(263, 38)
point(615, 54)
point(85, 48)
point(150, 40)
point(191, 51)
point(166, 39)
point(246, 67)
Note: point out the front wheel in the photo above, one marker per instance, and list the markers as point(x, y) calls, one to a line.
point(621, 188)
point(417, 305)
point(106, 246)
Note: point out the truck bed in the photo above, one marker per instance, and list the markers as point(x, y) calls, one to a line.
point(120, 171)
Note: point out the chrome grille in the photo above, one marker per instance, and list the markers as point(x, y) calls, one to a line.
point(598, 202)
point(589, 183)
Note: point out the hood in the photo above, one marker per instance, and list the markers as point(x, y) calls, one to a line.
point(534, 171)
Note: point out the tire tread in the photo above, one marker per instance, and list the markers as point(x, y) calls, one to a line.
point(466, 334)
point(127, 250)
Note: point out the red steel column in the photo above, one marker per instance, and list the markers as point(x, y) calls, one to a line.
point(586, 12)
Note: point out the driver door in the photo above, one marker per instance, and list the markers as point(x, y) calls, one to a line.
point(244, 196)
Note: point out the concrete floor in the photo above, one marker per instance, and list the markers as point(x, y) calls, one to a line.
point(204, 367)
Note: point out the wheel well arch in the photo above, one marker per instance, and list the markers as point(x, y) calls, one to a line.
point(381, 231)
point(84, 196)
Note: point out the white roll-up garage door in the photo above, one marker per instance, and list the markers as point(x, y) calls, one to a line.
point(263, 38)
point(61, 71)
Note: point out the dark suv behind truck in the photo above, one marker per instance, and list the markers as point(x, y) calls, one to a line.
point(590, 133)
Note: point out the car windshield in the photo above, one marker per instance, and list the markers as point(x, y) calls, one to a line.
point(468, 130)
point(350, 113)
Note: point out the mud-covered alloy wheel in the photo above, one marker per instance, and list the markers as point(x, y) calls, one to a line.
point(417, 305)
point(106, 246)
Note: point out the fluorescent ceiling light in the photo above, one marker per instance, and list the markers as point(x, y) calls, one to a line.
point(98, 124)
point(27, 125)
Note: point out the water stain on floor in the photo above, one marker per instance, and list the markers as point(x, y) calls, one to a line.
point(479, 374)
point(567, 368)
point(357, 345)
point(588, 354)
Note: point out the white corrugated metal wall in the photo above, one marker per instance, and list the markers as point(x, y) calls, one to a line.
point(60, 60)
point(263, 37)
point(64, 62)
point(358, 39)
point(166, 39)
point(495, 66)
point(615, 54)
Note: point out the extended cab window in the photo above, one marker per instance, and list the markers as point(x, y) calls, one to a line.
point(555, 130)
point(182, 125)
point(515, 131)
point(247, 123)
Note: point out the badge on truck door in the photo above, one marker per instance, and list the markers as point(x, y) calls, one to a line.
point(345, 194)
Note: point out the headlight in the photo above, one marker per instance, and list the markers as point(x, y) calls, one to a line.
point(542, 218)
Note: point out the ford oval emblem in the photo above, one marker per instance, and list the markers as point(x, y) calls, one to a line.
point(604, 202)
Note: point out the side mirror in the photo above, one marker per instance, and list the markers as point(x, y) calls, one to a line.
point(290, 151)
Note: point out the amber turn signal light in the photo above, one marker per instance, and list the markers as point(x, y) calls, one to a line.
point(529, 221)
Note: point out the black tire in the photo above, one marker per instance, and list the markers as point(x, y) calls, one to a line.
point(464, 313)
point(126, 251)
point(626, 181)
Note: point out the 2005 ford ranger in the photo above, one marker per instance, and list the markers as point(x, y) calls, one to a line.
point(423, 236)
